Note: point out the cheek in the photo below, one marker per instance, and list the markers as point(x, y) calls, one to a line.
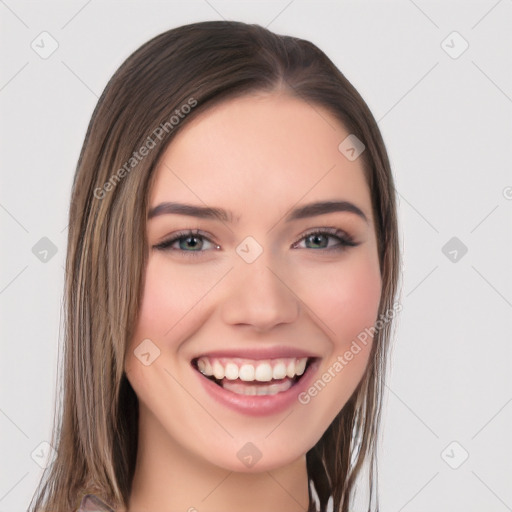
point(168, 315)
point(347, 303)
point(345, 297)
point(171, 299)
point(160, 311)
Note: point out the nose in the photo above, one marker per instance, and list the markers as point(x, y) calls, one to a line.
point(259, 295)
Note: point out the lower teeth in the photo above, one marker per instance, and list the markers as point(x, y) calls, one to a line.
point(253, 389)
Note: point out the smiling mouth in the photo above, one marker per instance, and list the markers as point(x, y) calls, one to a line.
point(253, 377)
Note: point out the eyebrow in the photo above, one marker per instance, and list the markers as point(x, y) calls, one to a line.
point(302, 212)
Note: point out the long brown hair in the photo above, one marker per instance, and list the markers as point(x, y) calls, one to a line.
point(162, 86)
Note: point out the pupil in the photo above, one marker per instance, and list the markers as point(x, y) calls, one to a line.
point(187, 240)
point(315, 239)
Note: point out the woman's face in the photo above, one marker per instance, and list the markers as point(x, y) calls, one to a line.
point(256, 292)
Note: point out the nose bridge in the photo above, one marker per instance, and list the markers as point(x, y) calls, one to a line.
point(259, 295)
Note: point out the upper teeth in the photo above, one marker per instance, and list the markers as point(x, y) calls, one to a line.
point(251, 370)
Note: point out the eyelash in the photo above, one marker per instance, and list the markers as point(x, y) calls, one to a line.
point(345, 240)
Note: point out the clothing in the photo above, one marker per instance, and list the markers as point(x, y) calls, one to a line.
point(91, 502)
point(329, 506)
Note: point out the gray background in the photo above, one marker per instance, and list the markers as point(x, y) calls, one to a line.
point(446, 119)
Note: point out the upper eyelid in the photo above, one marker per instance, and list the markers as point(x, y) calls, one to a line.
point(326, 230)
point(329, 231)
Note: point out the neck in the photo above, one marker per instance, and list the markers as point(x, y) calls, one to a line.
point(169, 477)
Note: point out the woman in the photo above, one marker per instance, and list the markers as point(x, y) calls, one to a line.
point(231, 275)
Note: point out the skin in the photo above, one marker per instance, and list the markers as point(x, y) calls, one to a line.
point(257, 156)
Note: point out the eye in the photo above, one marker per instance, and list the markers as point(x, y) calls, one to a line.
point(192, 242)
point(320, 237)
point(189, 242)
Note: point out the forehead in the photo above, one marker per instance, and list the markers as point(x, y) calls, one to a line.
point(260, 152)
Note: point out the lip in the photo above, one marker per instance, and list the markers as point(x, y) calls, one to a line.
point(259, 353)
point(259, 405)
